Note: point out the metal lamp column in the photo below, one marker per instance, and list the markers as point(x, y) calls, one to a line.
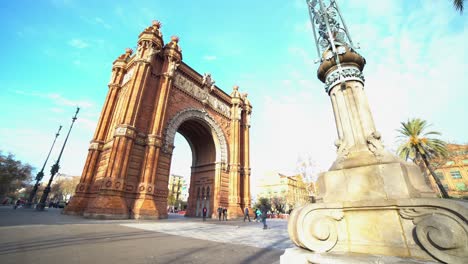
point(40, 174)
point(55, 167)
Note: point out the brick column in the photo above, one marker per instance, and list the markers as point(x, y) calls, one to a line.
point(151, 199)
point(246, 199)
point(80, 200)
point(234, 157)
point(111, 200)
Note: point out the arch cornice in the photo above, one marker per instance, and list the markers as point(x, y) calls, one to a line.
point(196, 114)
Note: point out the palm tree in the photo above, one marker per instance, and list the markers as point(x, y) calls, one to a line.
point(458, 4)
point(417, 146)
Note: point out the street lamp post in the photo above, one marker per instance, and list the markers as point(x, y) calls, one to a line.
point(55, 167)
point(40, 174)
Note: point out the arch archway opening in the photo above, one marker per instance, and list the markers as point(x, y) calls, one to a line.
point(195, 156)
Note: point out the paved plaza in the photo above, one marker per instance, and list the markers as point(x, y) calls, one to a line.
point(28, 236)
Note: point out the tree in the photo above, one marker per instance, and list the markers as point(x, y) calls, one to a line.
point(63, 188)
point(265, 202)
point(13, 175)
point(416, 145)
point(279, 203)
point(458, 4)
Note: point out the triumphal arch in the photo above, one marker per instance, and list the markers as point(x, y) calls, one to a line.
point(152, 95)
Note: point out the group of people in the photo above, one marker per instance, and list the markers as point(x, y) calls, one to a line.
point(260, 214)
point(222, 211)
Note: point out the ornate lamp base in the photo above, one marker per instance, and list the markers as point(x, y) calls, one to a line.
point(425, 229)
point(302, 256)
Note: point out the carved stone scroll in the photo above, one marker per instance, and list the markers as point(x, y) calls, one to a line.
point(441, 233)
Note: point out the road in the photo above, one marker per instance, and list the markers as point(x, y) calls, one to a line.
point(29, 236)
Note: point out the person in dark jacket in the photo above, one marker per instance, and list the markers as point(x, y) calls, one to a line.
point(246, 214)
point(264, 210)
point(225, 214)
point(204, 213)
point(220, 212)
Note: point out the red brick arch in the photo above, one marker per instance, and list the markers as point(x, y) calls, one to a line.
point(152, 95)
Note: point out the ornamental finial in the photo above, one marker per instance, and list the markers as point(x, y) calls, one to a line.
point(328, 26)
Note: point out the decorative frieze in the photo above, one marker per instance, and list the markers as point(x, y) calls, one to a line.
point(343, 74)
point(202, 95)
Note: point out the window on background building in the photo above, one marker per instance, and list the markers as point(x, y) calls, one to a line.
point(450, 162)
point(461, 186)
point(455, 174)
point(440, 175)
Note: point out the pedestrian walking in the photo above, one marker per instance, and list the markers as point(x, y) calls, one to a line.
point(220, 212)
point(264, 210)
point(225, 214)
point(204, 213)
point(17, 204)
point(246, 214)
point(259, 215)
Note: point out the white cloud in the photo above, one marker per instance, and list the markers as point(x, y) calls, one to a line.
point(58, 99)
point(78, 43)
point(100, 21)
point(209, 57)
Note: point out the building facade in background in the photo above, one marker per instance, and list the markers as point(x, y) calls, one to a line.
point(176, 185)
point(453, 171)
point(292, 189)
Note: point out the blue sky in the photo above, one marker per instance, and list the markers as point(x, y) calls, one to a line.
point(58, 54)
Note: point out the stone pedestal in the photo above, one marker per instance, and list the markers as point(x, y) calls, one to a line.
point(301, 256)
point(374, 208)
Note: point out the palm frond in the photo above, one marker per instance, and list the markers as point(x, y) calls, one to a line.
point(458, 4)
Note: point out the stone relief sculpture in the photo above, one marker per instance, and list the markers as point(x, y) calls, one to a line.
point(203, 96)
point(172, 67)
point(208, 81)
point(375, 144)
point(341, 149)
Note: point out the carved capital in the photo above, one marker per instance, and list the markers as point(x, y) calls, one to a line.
point(96, 145)
point(114, 86)
point(154, 140)
point(140, 139)
point(125, 131)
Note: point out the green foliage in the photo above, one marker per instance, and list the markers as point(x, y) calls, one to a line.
point(279, 204)
point(263, 201)
point(62, 188)
point(416, 143)
point(458, 4)
point(417, 146)
point(14, 175)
